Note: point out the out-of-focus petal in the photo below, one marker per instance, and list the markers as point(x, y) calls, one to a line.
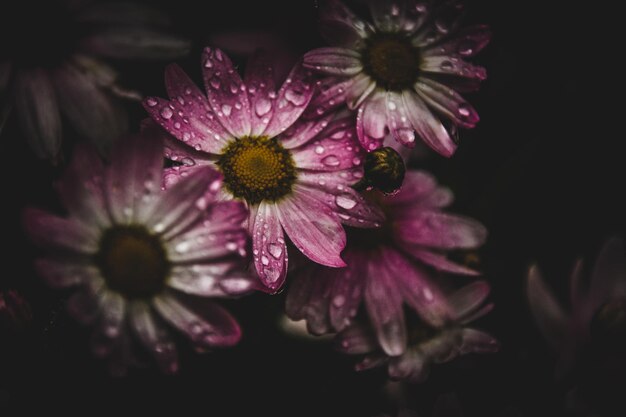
point(549, 315)
point(59, 233)
point(135, 43)
point(334, 61)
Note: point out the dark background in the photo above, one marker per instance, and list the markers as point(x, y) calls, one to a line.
point(544, 170)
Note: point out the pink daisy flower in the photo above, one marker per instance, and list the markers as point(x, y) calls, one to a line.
point(143, 257)
point(389, 267)
point(402, 72)
point(294, 175)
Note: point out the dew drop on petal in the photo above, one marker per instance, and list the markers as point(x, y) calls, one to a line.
point(275, 250)
point(226, 109)
point(262, 107)
point(446, 65)
point(166, 113)
point(406, 135)
point(464, 110)
point(215, 82)
point(271, 274)
point(265, 260)
point(319, 149)
point(295, 97)
point(232, 246)
point(339, 301)
point(391, 105)
point(345, 201)
point(151, 102)
point(331, 161)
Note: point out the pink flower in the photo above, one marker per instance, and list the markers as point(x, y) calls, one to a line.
point(143, 257)
point(294, 175)
point(389, 267)
point(400, 72)
point(54, 67)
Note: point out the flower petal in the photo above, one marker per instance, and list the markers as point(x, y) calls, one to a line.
point(447, 102)
point(428, 127)
point(135, 42)
point(347, 291)
point(388, 16)
point(94, 114)
point(410, 366)
point(226, 91)
point(300, 292)
point(317, 309)
point(64, 273)
point(371, 122)
point(468, 299)
point(419, 191)
point(359, 90)
point(259, 79)
point(548, 314)
point(313, 228)
point(384, 306)
point(38, 112)
point(356, 339)
point(330, 94)
point(204, 322)
point(440, 230)
point(111, 320)
point(154, 337)
point(438, 261)
point(83, 305)
point(398, 120)
point(177, 150)
point(303, 131)
point(268, 246)
point(465, 42)
point(58, 233)
point(608, 278)
point(334, 61)
point(452, 66)
point(338, 25)
point(292, 99)
point(475, 341)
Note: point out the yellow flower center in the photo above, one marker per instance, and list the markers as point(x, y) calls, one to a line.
point(391, 60)
point(257, 169)
point(133, 261)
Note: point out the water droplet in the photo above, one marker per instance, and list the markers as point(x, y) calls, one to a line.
point(166, 113)
point(271, 274)
point(265, 260)
point(391, 105)
point(196, 328)
point(338, 135)
point(339, 301)
point(466, 47)
point(345, 201)
point(275, 250)
point(186, 137)
point(319, 149)
point(182, 247)
point(406, 135)
point(218, 55)
point(428, 294)
point(226, 109)
point(262, 107)
point(181, 101)
point(215, 82)
point(464, 110)
point(111, 331)
point(234, 88)
point(151, 102)
point(331, 161)
point(297, 98)
point(446, 66)
point(395, 10)
point(208, 63)
point(231, 246)
point(202, 203)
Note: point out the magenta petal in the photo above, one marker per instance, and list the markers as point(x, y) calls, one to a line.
point(81, 189)
point(63, 273)
point(154, 337)
point(134, 177)
point(548, 313)
point(340, 26)
point(371, 122)
point(360, 89)
point(384, 306)
point(268, 246)
point(200, 279)
point(292, 99)
point(331, 93)
point(440, 230)
point(175, 174)
point(227, 92)
point(347, 292)
point(56, 232)
point(204, 322)
point(438, 261)
point(465, 42)
point(313, 228)
point(259, 79)
point(334, 61)
point(303, 131)
point(428, 127)
point(300, 292)
point(447, 102)
point(452, 66)
point(356, 339)
point(398, 120)
point(181, 204)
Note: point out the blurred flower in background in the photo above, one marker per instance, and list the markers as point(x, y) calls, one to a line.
point(142, 257)
point(402, 72)
point(51, 64)
point(294, 175)
point(15, 312)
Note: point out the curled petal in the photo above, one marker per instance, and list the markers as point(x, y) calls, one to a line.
point(548, 314)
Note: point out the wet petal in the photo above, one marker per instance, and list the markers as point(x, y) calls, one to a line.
point(347, 291)
point(292, 99)
point(135, 42)
point(300, 292)
point(64, 273)
point(438, 261)
point(154, 337)
point(465, 42)
point(303, 132)
point(334, 61)
point(226, 91)
point(338, 25)
point(259, 80)
point(268, 247)
point(439, 230)
point(356, 339)
point(38, 112)
point(331, 93)
point(452, 66)
point(398, 120)
point(111, 321)
point(371, 122)
point(56, 232)
point(548, 314)
point(447, 102)
point(388, 16)
point(428, 127)
point(313, 228)
point(207, 325)
point(358, 90)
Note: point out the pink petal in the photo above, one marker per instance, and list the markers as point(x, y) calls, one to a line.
point(64, 273)
point(110, 325)
point(384, 306)
point(438, 261)
point(356, 339)
point(292, 99)
point(174, 149)
point(347, 292)
point(340, 26)
point(207, 280)
point(38, 112)
point(81, 188)
point(134, 177)
point(428, 127)
point(268, 246)
point(465, 42)
point(204, 322)
point(398, 120)
point(447, 102)
point(359, 90)
point(371, 122)
point(227, 92)
point(51, 231)
point(303, 131)
point(420, 190)
point(440, 230)
point(334, 61)
point(333, 149)
point(317, 317)
point(181, 204)
point(259, 79)
point(313, 228)
point(452, 66)
point(299, 292)
point(468, 299)
point(330, 94)
point(548, 314)
point(154, 337)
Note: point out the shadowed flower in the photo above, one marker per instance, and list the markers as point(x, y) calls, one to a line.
point(51, 64)
point(387, 267)
point(141, 256)
point(402, 72)
point(438, 336)
point(294, 175)
point(15, 312)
